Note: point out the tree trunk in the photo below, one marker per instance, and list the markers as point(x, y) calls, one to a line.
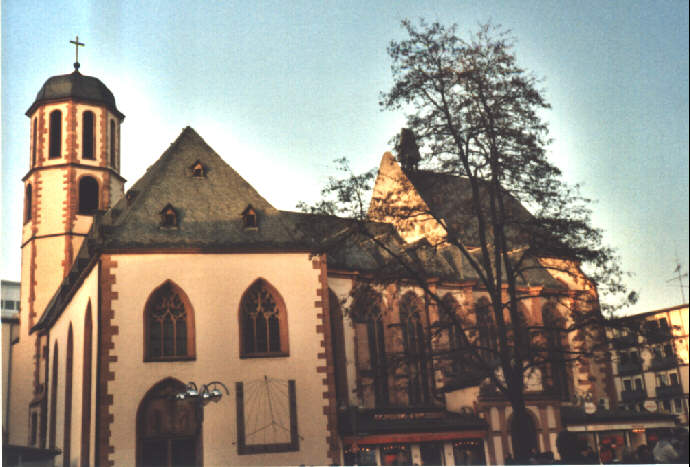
point(523, 431)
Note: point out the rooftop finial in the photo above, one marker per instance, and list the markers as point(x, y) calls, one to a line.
point(77, 44)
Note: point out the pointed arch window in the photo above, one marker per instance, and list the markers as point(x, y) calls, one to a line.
point(53, 398)
point(55, 145)
point(263, 321)
point(88, 195)
point(556, 347)
point(29, 203)
point(169, 325)
point(86, 389)
point(414, 344)
point(87, 135)
point(488, 335)
point(367, 312)
point(67, 428)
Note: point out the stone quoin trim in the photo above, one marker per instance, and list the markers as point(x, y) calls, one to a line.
point(71, 137)
point(68, 215)
point(37, 189)
point(103, 141)
point(107, 330)
point(330, 410)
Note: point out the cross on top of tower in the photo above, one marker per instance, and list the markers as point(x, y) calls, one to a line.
point(77, 44)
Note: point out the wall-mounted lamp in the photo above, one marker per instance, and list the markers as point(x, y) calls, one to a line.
point(209, 392)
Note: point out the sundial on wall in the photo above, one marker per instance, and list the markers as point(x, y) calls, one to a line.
point(266, 416)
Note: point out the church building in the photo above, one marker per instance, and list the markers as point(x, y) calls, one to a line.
point(187, 320)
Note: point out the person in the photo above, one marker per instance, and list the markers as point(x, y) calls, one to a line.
point(643, 455)
point(628, 456)
point(663, 452)
point(606, 455)
point(568, 446)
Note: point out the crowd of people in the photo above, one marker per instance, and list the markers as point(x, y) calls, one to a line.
point(669, 449)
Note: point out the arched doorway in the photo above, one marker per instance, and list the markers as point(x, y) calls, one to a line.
point(168, 430)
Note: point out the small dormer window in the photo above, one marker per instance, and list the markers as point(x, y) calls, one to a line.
point(130, 195)
point(198, 169)
point(249, 218)
point(169, 217)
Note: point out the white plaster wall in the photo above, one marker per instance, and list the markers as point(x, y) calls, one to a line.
point(74, 314)
point(214, 285)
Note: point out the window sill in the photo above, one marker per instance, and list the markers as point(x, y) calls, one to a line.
point(169, 359)
point(265, 355)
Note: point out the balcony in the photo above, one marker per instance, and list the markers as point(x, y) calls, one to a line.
point(629, 367)
point(659, 363)
point(623, 342)
point(669, 390)
point(633, 395)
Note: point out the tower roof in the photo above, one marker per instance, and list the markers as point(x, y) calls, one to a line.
point(75, 86)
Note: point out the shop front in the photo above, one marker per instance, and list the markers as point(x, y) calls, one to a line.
point(607, 433)
point(428, 436)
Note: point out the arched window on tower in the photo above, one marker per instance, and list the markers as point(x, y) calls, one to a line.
point(28, 203)
point(169, 325)
point(414, 344)
point(87, 135)
point(88, 195)
point(263, 322)
point(55, 146)
point(112, 143)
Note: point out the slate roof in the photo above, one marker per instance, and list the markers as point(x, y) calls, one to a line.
point(210, 208)
point(76, 86)
point(449, 197)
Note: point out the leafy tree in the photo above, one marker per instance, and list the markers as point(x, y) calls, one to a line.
point(477, 117)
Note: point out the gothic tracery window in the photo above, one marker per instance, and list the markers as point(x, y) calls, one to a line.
point(367, 312)
point(414, 343)
point(263, 321)
point(169, 321)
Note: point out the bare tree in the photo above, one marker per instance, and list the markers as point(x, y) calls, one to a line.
point(490, 193)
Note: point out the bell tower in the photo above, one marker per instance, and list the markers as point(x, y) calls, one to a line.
point(74, 173)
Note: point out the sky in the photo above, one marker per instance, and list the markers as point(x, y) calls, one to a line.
point(281, 89)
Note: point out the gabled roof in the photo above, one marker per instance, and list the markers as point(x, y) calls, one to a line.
point(209, 208)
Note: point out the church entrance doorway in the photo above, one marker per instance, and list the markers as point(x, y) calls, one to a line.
point(168, 430)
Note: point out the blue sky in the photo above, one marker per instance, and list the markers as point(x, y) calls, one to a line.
point(280, 89)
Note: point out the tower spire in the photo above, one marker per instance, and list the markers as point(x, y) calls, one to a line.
point(77, 44)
